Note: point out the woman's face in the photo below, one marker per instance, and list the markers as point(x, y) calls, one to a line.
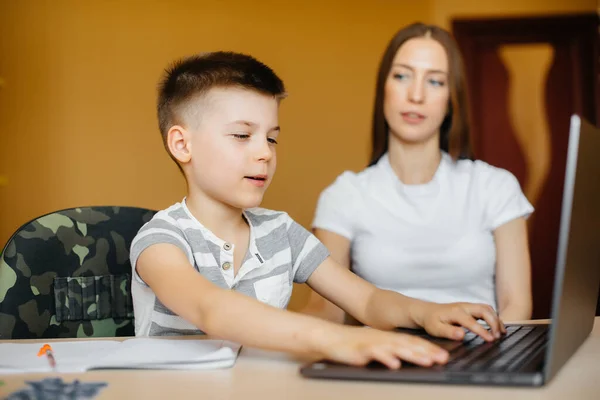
point(416, 91)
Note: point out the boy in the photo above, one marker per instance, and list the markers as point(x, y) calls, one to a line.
point(202, 264)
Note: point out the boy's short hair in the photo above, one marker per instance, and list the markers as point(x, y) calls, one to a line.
point(191, 77)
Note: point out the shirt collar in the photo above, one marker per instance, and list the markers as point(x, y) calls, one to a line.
point(431, 187)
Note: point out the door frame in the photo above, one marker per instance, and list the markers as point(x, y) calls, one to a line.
point(578, 32)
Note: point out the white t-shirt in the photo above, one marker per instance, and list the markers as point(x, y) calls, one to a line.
point(432, 241)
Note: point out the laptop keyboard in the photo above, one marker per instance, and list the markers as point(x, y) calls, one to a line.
point(505, 354)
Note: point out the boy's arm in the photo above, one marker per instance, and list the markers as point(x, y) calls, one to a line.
point(236, 317)
point(220, 312)
point(339, 250)
point(385, 309)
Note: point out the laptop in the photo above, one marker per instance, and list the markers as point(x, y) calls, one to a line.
point(527, 355)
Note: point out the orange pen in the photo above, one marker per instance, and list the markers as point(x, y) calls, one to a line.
point(47, 351)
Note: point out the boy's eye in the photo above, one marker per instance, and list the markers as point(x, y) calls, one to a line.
point(272, 140)
point(241, 136)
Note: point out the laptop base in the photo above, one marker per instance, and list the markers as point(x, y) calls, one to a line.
point(517, 359)
point(325, 370)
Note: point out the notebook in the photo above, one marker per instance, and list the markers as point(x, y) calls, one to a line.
point(135, 353)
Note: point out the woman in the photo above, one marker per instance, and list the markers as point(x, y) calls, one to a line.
point(424, 219)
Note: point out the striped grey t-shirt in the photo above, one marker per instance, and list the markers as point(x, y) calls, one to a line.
point(280, 251)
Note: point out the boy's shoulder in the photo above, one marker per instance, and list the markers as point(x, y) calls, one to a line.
point(259, 216)
point(264, 214)
point(178, 217)
point(174, 215)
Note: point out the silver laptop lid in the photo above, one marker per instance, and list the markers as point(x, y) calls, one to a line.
point(578, 261)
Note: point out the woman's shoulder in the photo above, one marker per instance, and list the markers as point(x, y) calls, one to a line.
point(350, 181)
point(489, 182)
point(341, 201)
point(481, 171)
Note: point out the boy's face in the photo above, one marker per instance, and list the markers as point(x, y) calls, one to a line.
point(232, 141)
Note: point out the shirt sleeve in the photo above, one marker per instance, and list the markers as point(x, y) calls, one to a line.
point(154, 232)
point(504, 199)
point(307, 251)
point(336, 207)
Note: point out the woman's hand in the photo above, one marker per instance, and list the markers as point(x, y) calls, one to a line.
point(446, 320)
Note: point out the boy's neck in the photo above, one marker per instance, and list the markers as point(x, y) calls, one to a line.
point(222, 220)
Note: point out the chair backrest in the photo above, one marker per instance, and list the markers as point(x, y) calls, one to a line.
point(67, 274)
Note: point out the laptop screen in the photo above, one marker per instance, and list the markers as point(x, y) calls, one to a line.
point(578, 261)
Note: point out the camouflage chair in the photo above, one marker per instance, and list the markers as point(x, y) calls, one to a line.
point(67, 274)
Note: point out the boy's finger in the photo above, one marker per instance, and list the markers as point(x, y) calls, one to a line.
point(425, 348)
point(422, 359)
point(386, 357)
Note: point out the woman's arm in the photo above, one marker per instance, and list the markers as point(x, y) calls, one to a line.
point(513, 271)
point(339, 249)
point(386, 310)
point(383, 309)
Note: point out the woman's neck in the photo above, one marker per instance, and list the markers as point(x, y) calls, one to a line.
point(414, 163)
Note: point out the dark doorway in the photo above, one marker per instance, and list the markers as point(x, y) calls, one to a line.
point(526, 77)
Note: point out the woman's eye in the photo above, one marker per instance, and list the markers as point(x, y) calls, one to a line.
point(435, 82)
point(400, 77)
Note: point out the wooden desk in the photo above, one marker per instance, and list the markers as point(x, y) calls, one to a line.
point(266, 375)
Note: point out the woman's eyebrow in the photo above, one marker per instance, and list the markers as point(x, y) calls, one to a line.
point(437, 71)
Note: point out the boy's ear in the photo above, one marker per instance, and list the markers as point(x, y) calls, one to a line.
point(178, 141)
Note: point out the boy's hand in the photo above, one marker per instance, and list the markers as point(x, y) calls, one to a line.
point(445, 320)
point(359, 346)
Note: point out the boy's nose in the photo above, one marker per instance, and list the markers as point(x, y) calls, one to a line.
point(265, 153)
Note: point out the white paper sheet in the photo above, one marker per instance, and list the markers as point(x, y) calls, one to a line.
point(138, 353)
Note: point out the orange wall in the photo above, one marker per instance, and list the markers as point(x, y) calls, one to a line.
point(77, 118)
